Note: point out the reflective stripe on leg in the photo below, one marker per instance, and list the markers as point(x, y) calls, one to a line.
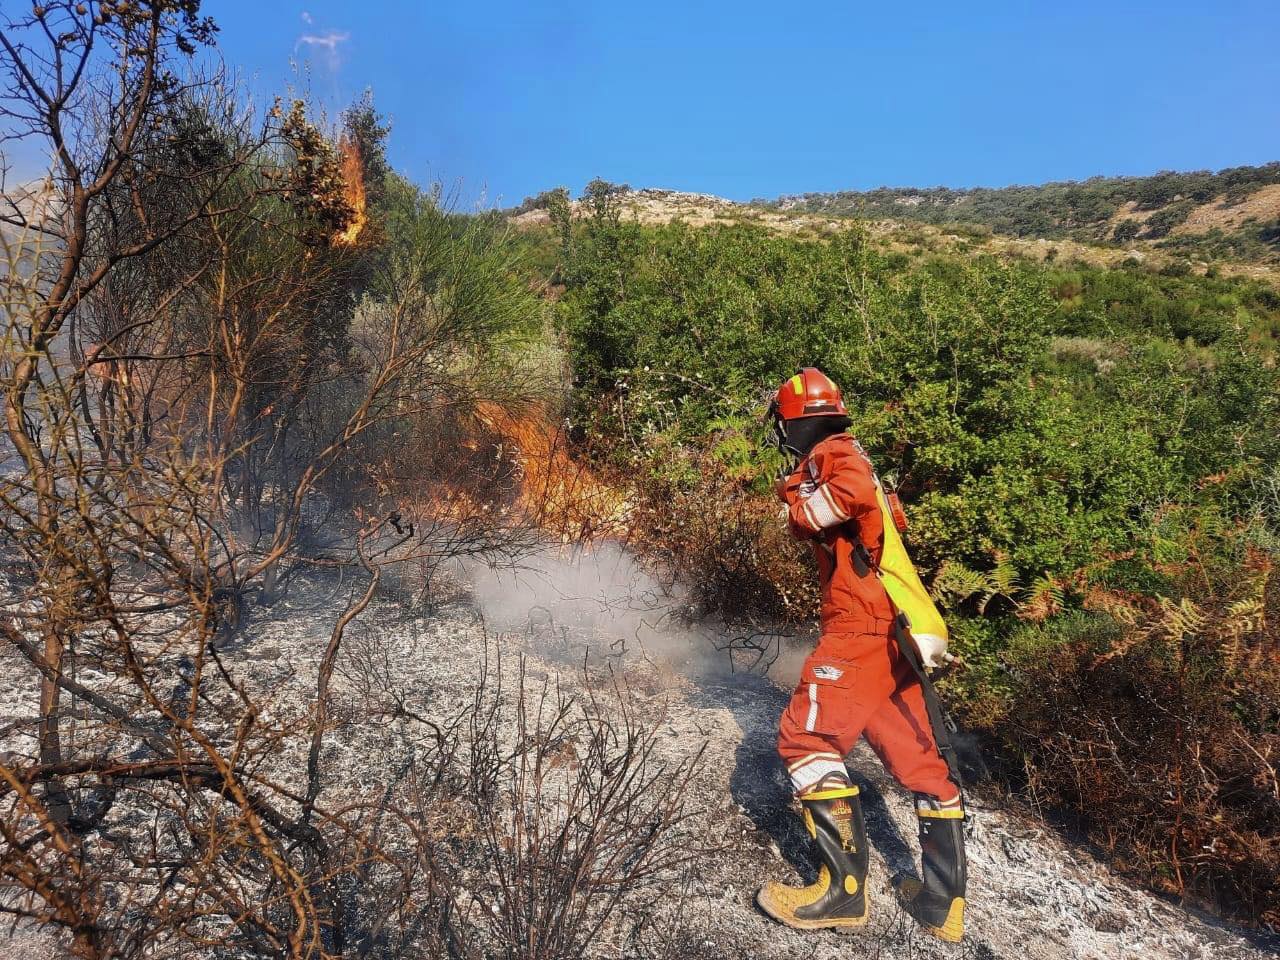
point(810, 772)
point(930, 806)
point(799, 762)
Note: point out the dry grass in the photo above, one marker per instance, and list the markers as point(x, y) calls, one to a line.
point(1262, 205)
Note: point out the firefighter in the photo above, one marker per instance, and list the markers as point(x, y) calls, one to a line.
point(857, 682)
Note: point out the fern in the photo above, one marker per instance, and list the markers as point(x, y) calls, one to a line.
point(1045, 597)
point(1182, 620)
point(1003, 580)
point(956, 583)
point(1242, 618)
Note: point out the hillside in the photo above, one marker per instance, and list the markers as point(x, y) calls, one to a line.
point(382, 580)
point(1231, 214)
point(914, 228)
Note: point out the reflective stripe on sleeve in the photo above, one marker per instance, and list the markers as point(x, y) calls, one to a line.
point(821, 510)
point(830, 498)
point(811, 521)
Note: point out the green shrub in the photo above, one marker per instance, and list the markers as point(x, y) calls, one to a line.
point(998, 443)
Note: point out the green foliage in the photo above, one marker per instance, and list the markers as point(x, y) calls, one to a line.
point(470, 266)
point(546, 200)
point(1002, 440)
point(1168, 217)
point(1169, 305)
point(956, 584)
point(1077, 210)
point(368, 129)
point(1252, 240)
point(1126, 230)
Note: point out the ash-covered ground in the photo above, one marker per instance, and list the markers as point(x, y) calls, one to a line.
point(597, 625)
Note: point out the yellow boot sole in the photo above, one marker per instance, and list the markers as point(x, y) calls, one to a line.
point(952, 929)
point(780, 903)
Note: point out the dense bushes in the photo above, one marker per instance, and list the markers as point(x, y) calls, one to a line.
point(1253, 240)
point(1133, 302)
point(998, 447)
point(1085, 457)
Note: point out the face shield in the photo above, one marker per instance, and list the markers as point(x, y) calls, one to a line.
point(795, 438)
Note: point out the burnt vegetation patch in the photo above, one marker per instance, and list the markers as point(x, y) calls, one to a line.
point(239, 355)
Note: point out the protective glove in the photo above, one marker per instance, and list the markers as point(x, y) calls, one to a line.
point(933, 651)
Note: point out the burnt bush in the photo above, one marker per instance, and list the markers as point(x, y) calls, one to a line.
point(1155, 725)
point(531, 824)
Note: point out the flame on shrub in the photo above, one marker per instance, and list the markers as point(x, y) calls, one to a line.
point(560, 494)
point(353, 190)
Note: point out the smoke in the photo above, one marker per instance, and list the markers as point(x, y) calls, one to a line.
point(599, 602)
point(327, 41)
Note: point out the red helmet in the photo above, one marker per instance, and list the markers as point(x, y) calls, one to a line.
point(810, 393)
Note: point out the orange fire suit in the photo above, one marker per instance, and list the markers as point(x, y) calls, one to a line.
point(856, 682)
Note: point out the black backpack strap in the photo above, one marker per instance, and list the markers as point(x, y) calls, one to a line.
point(942, 724)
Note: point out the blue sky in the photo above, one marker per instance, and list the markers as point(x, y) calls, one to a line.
point(748, 99)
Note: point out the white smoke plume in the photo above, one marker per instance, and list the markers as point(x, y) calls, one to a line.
point(600, 602)
point(327, 41)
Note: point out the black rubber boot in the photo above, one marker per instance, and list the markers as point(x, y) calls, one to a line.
point(937, 902)
point(839, 896)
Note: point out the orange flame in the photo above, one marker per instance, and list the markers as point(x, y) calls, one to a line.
point(353, 189)
point(559, 493)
